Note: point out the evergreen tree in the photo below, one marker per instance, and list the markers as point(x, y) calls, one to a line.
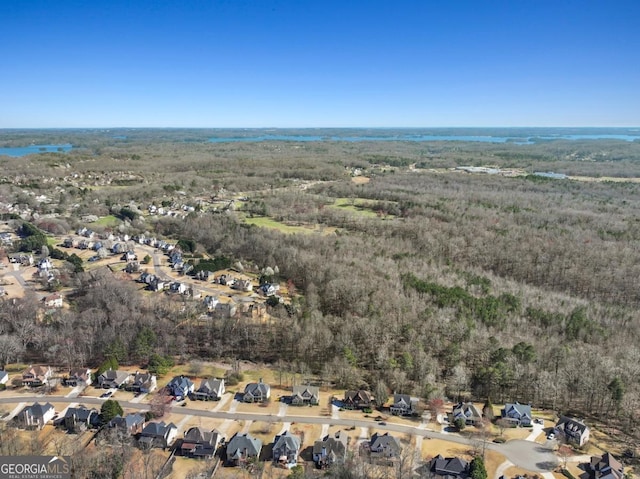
point(109, 410)
point(477, 470)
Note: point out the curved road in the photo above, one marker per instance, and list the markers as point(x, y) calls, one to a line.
point(528, 455)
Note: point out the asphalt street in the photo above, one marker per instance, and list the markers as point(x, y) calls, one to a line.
point(528, 455)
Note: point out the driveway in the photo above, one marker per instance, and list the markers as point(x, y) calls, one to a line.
point(527, 455)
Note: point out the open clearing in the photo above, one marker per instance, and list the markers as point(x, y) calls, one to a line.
point(267, 222)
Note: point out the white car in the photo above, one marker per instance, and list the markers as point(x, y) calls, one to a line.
point(551, 436)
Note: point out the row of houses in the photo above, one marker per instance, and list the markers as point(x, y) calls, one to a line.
point(125, 238)
point(35, 376)
point(156, 283)
point(515, 414)
point(198, 442)
point(139, 382)
point(170, 211)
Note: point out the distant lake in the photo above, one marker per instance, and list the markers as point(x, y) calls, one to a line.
point(516, 139)
point(32, 149)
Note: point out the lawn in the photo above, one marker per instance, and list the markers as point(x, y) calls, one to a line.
point(185, 466)
point(266, 222)
point(360, 206)
point(107, 221)
point(355, 205)
point(265, 431)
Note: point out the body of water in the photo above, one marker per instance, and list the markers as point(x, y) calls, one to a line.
point(32, 149)
point(516, 139)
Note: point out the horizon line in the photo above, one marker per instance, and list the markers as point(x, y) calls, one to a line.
point(301, 127)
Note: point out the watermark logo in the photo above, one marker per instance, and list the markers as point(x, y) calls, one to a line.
point(35, 467)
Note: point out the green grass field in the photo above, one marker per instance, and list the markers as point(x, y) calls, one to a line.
point(107, 221)
point(266, 222)
point(356, 205)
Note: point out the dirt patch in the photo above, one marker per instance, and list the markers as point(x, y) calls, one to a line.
point(360, 180)
point(592, 179)
point(11, 287)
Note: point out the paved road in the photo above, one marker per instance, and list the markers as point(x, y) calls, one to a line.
point(17, 274)
point(525, 454)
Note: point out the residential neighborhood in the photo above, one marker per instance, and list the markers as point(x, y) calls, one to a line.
point(300, 443)
point(201, 411)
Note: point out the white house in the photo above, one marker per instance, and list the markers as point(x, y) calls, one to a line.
point(53, 301)
point(36, 415)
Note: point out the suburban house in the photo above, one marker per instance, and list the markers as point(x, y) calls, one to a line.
point(53, 301)
point(467, 411)
point(156, 285)
point(357, 399)
point(131, 424)
point(517, 414)
point(142, 382)
point(146, 278)
point(243, 285)
point(448, 468)
point(85, 244)
point(132, 267)
point(180, 387)
point(129, 256)
point(574, 430)
point(248, 307)
point(199, 442)
point(286, 447)
point(70, 243)
point(269, 289)
point(203, 275)
point(256, 392)
point(225, 310)
point(242, 448)
point(305, 395)
point(4, 377)
point(157, 434)
point(36, 375)
point(78, 377)
point(118, 248)
point(36, 416)
point(384, 448)
point(178, 288)
point(210, 389)
point(44, 264)
point(605, 467)
point(113, 379)
point(78, 419)
point(210, 302)
point(330, 450)
point(403, 405)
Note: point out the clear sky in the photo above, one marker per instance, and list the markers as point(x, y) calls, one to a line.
point(297, 63)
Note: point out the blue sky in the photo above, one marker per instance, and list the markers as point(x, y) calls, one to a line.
point(296, 63)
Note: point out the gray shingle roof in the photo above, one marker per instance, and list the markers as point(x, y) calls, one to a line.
point(241, 442)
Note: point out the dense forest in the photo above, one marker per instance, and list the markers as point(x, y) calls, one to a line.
point(430, 281)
